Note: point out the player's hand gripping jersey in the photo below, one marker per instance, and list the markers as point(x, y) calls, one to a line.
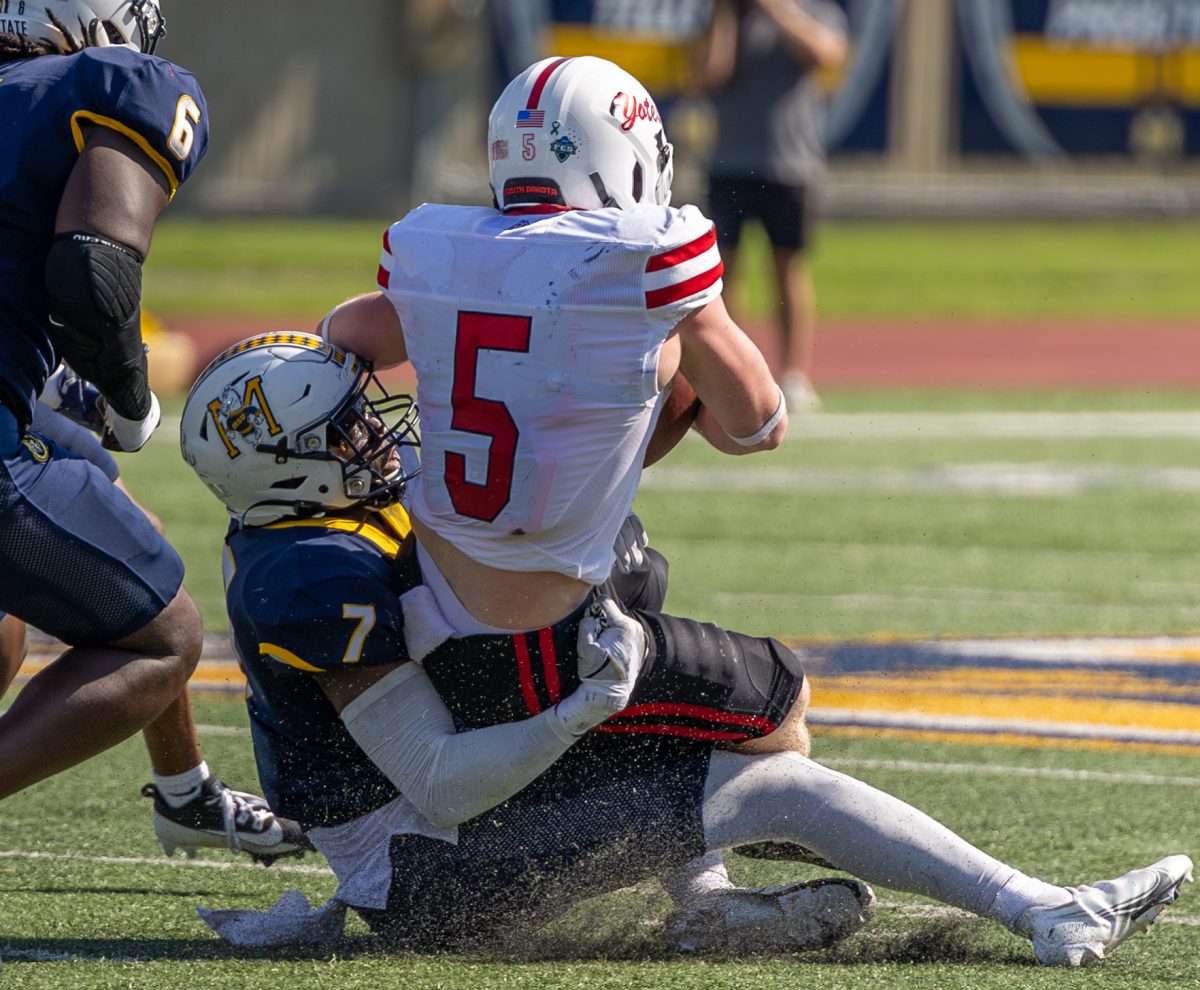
point(44, 105)
point(535, 339)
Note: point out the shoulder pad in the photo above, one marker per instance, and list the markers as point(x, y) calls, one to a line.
point(156, 104)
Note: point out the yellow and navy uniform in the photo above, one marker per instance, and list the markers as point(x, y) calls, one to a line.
point(306, 596)
point(45, 103)
point(79, 561)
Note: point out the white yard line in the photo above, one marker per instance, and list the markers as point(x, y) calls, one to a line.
point(1014, 479)
point(955, 724)
point(1014, 425)
point(222, 730)
point(1001, 770)
point(1044, 601)
point(161, 861)
point(1028, 479)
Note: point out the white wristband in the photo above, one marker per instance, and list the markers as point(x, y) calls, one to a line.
point(767, 427)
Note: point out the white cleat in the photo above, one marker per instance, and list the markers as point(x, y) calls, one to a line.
point(1100, 916)
point(791, 917)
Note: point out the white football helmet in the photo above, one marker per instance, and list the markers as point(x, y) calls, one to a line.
point(286, 424)
point(577, 133)
point(70, 25)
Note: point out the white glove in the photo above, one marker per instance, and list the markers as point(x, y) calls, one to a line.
point(611, 650)
point(52, 390)
point(128, 434)
point(630, 544)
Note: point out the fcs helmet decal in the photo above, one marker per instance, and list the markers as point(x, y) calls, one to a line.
point(286, 425)
point(577, 133)
point(71, 25)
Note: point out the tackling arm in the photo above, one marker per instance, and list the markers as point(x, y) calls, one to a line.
point(395, 715)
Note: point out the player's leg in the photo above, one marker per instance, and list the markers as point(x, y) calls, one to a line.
point(192, 808)
point(885, 841)
point(12, 649)
point(112, 690)
point(785, 216)
point(791, 735)
point(79, 561)
point(531, 858)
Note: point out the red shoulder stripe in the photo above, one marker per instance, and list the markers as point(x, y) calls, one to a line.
point(517, 211)
point(675, 256)
point(681, 290)
point(381, 279)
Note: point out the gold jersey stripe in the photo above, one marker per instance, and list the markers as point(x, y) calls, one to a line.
point(126, 131)
point(286, 656)
point(388, 544)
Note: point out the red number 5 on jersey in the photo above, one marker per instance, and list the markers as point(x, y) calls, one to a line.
point(486, 417)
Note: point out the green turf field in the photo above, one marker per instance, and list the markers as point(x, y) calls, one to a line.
point(900, 511)
point(300, 269)
point(90, 902)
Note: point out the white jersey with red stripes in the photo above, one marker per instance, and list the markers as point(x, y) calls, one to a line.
point(535, 339)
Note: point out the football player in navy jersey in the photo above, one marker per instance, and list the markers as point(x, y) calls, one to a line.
point(96, 135)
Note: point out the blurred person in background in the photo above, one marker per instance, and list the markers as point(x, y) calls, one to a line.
point(759, 64)
point(98, 136)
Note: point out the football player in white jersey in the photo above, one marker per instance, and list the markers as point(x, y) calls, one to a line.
point(546, 334)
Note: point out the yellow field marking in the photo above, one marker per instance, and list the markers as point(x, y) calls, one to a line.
point(218, 676)
point(1023, 695)
point(1001, 739)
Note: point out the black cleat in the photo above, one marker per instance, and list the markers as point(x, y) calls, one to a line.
point(220, 818)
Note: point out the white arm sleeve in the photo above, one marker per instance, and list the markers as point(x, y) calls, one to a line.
point(406, 730)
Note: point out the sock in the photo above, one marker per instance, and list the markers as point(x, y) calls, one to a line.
point(1021, 893)
point(861, 830)
point(697, 877)
point(177, 789)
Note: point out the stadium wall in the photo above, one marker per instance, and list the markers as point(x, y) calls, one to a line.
point(947, 108)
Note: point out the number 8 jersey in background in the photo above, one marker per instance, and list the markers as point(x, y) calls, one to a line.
point(535, 339)
point(45, 104)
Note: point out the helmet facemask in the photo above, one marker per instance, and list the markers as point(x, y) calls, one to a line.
point(369, 448)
